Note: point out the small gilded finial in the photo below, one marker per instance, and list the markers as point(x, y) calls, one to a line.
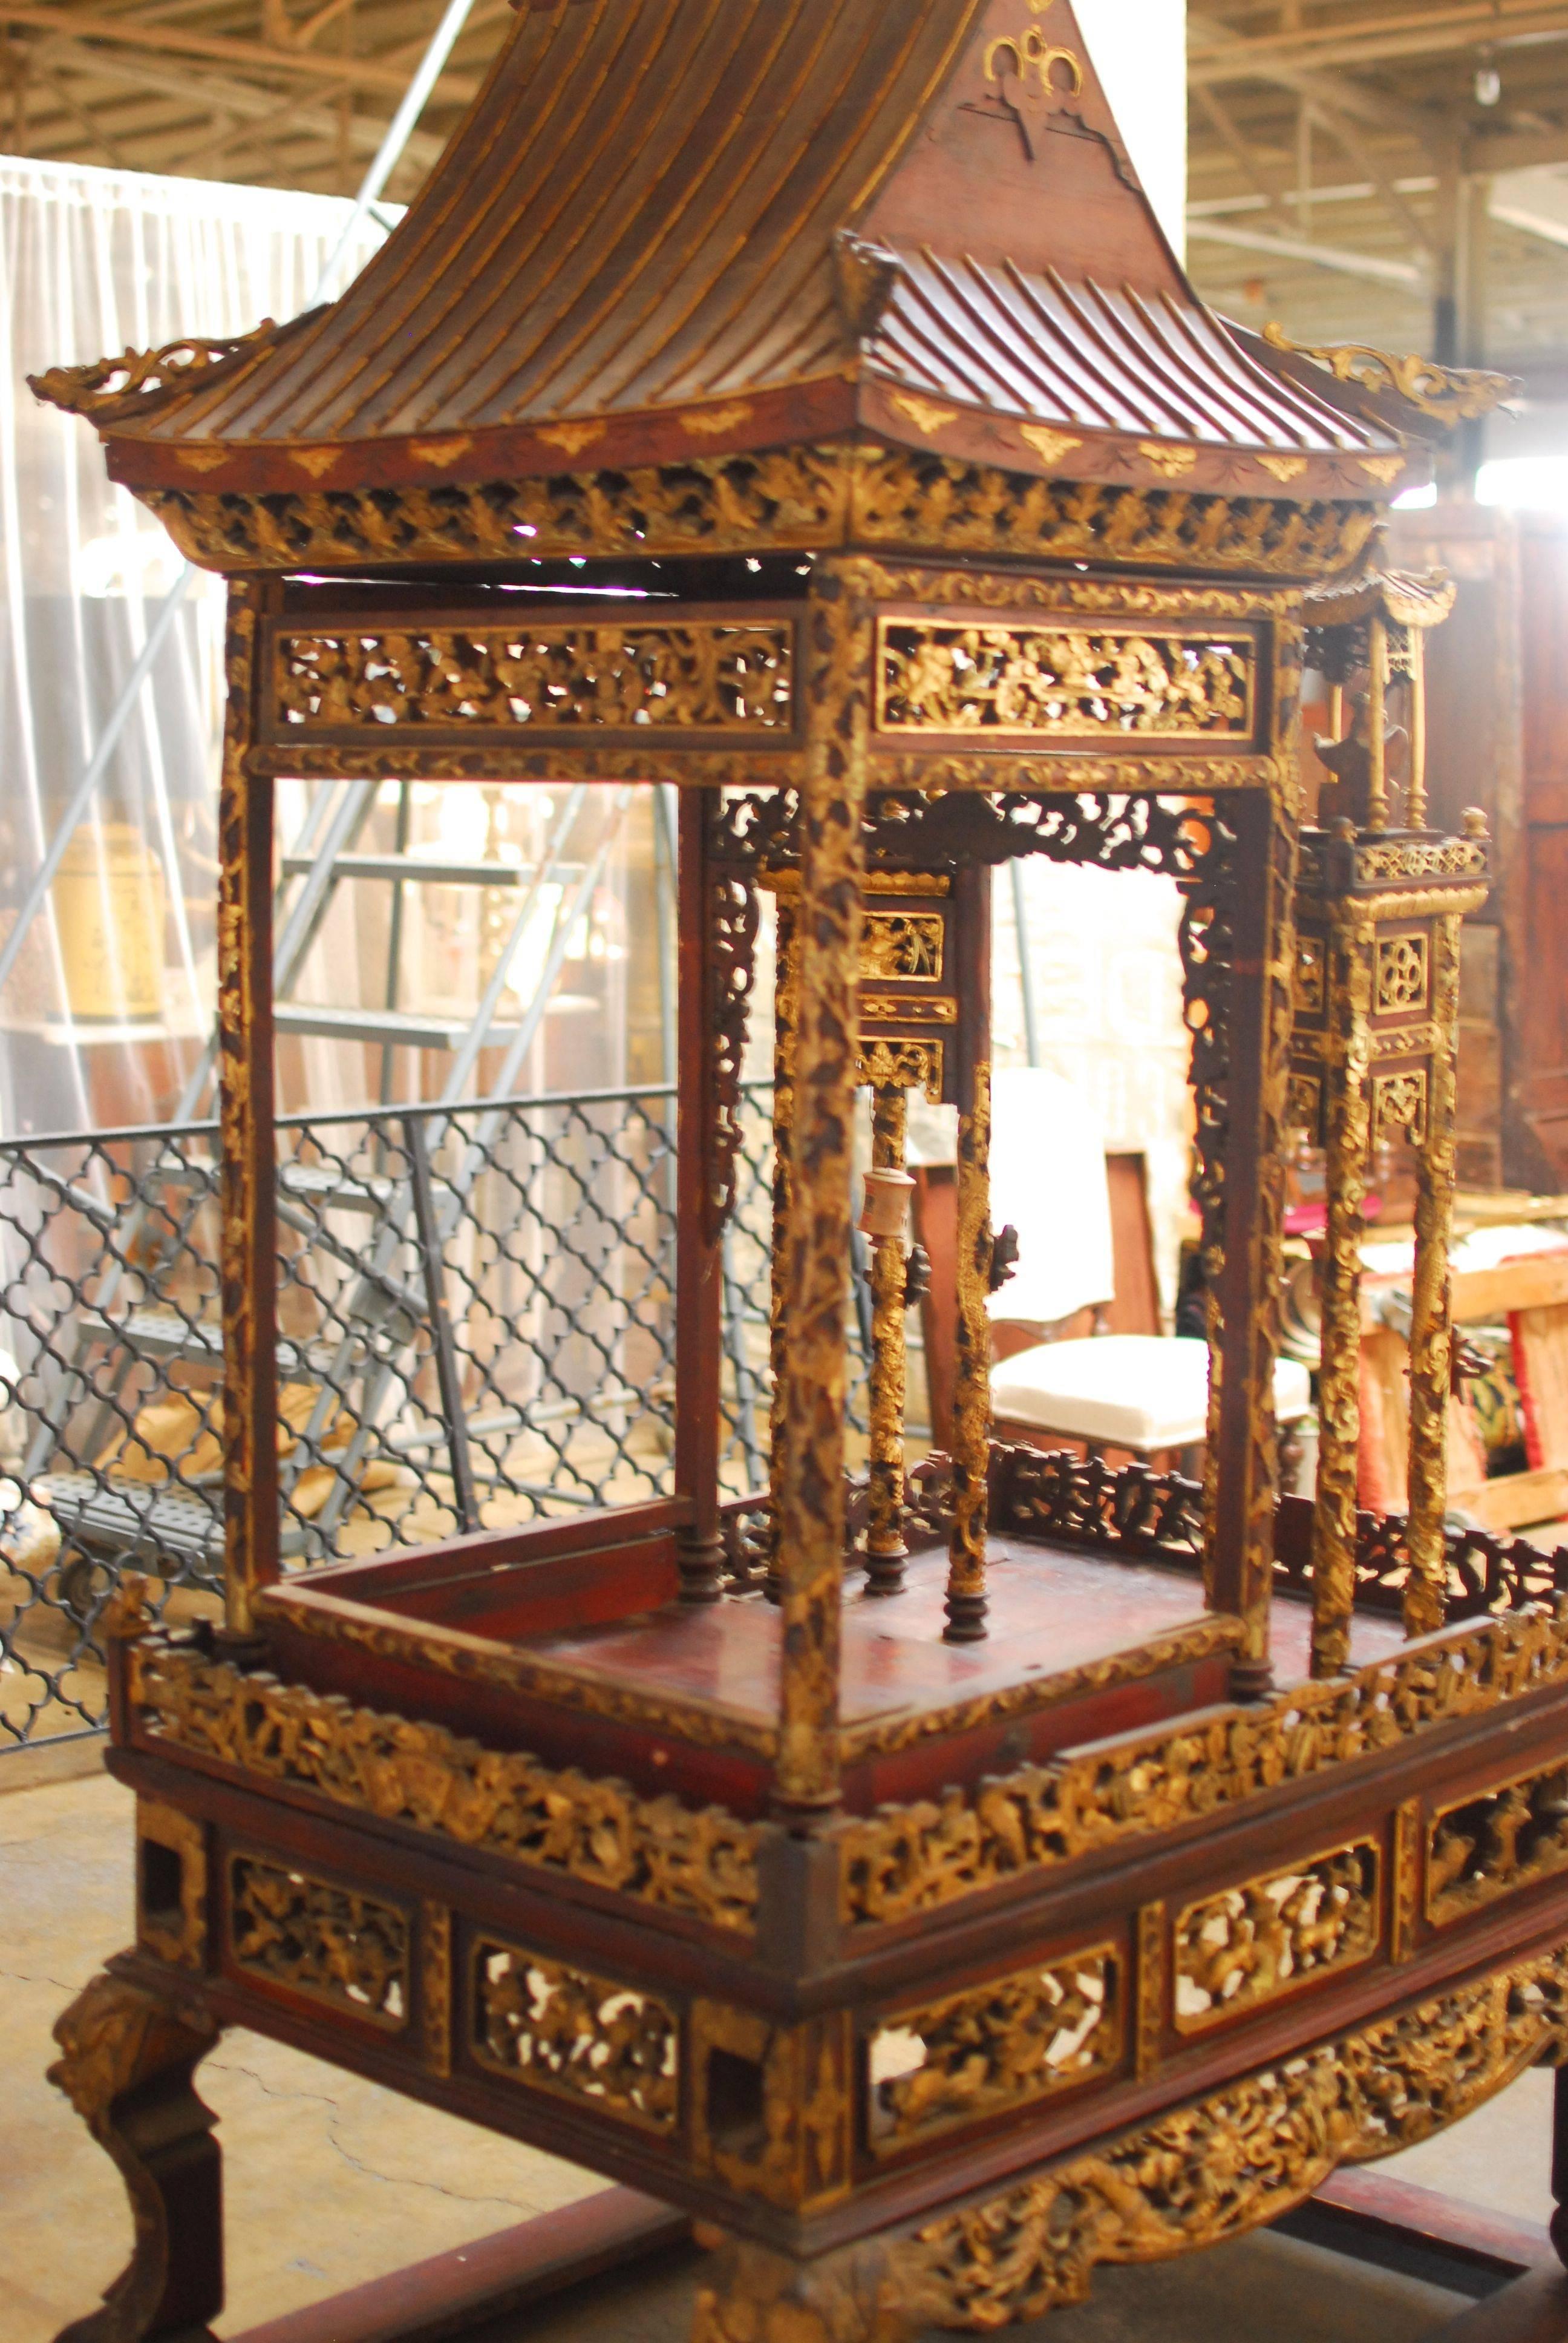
point(1474, 820)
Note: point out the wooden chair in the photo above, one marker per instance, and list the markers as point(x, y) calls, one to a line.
point(1105, 1380)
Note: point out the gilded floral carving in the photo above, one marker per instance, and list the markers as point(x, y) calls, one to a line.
point(1253, 1942)
point(1497, 1843)
point(792, 498)
point(552, 1819)
point(905, 1860)
point(330, 1942)
point(559, 2029)
point(999, 2045)
point(902, 946)
point(692, 676)
point(995, 677)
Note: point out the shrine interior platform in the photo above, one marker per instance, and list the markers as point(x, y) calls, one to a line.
point(1079, 1645)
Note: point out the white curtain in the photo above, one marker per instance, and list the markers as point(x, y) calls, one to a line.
point(93, 262)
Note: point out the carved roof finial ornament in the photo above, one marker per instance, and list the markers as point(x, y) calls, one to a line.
point(1449, 394)
point(666, 238)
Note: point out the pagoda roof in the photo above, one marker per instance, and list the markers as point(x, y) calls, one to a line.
point(671, 228)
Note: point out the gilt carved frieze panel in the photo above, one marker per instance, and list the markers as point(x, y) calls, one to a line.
point(1058, 677)
point(709, 676)
point(1497, 1843)
point(314, 1936)
point(557, 2028)
point(997, 2046)
point(1251, 1943)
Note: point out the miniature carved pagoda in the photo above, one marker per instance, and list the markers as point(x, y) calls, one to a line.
point(949, 1915)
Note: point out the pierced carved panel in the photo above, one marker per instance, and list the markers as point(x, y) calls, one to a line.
point(903, 946)
point(785, 496)
point(329, 1942)
point(552, 1820)
point(1304, 1104)
point(1402, 980)
point(1252, 1943)
point(1233, 2160)
point(1494, 1844)
point(695, 676)
point(999, 2045)
point(576, 2036)
point(732, 966)
point(1448, 858)
point(1309, 988)
point(1398, 1107)
point(902, 1065)
point(907, 1860)
point(1062, 681)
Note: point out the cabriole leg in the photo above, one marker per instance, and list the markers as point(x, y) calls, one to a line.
point(127, 2060)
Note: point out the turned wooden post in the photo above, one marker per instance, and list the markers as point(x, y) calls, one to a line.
point(885, 1221)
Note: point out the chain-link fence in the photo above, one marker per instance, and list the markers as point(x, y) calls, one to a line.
point(476, 1324)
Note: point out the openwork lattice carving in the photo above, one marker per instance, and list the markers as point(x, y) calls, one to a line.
point(732, 912)
point(995, 677)
point(533, 677)
point(1084, 1499)
point(1236, 2159)
point(902, 1065)
point(999, 2045)
point(1496, 1844)
point(906, 945)
point(788, 497)
point(1399, 1106)
point(1310, 975)
point(1114, 830)
point(323, 1940)
point(907, 1859)
point(1401, 978)
point(1447, 858)
point(583, 2037)
point(555, 1819)
point(1252, 1943)
point(1207, 941)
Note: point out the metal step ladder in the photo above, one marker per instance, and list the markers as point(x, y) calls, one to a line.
point(380, 1316)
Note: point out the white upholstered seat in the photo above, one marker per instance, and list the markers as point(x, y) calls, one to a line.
point(1143, 1392)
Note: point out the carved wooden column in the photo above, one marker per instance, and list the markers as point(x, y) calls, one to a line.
point(1346, 1113)
point(1430, 1328)
point(1245, 1296)
point(811, 1513)
point(784, 1016)
point(247, 1175)
point(885, 1221)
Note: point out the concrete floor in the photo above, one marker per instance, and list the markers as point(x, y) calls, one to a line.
point(330, 2181)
